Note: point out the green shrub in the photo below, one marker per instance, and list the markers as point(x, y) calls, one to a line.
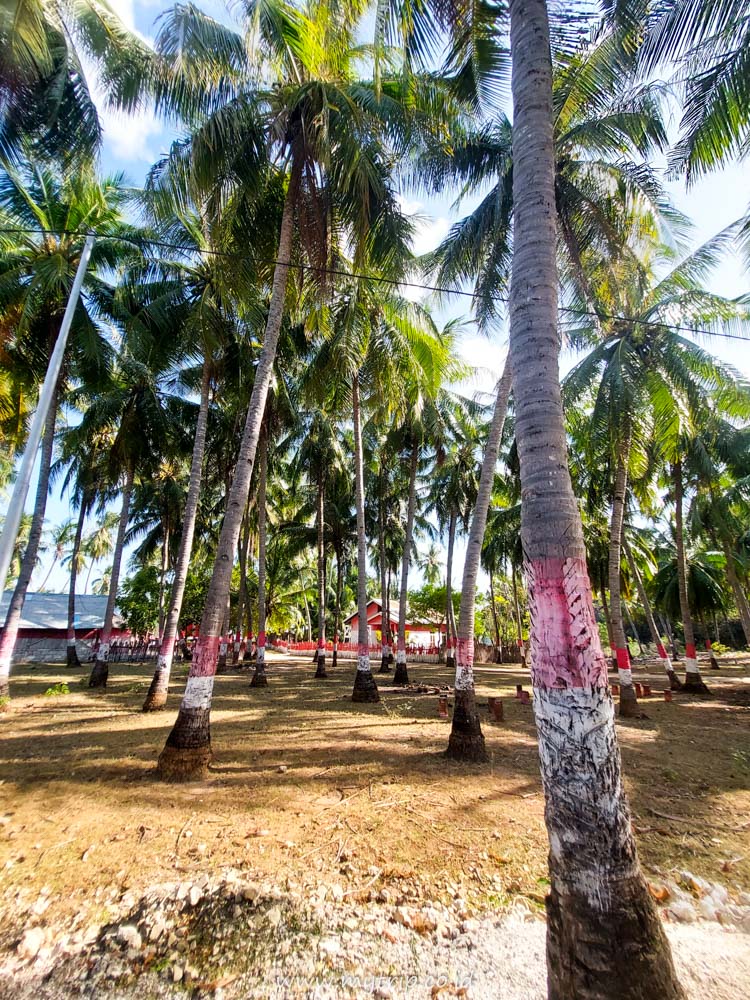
point(61, 688)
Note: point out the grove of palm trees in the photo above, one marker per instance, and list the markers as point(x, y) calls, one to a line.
point(374, 578)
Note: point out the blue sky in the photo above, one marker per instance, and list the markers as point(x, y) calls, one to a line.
point(132, 144)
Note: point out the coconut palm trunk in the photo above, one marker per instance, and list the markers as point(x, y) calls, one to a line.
point(604, 935)
point(15, 608)
point(260, 678)
point(519, 620)
point(743, 608)
point(337, 610)
point(707, 642)
point(674, 681)
point(605, 612)
point(693, 680)
point(71, 653)
point(498, 657)
point(628, 700)
point(365, 688)
point(187, 752)
point(157, 692)
point(466, 741)
point(385, 612)
point(100, 670)
point(450, 631)
point(631, 623)
point(244, 544)
point(163, 577)
point(320, 671)
point(401, 674)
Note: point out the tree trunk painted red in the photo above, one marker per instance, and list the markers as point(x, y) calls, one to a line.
point(401, 674)
point(693, 680)
point(260, 677)
point(320, 671)
point(100, 671)
point(604, 935)
point(674, 681)
point(628, 700)
point(365, 688)
point(466, 741)
point(187, 752)
point(71, 653)
point(157, 692)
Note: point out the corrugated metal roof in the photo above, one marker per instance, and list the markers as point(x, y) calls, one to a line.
point(51, 611)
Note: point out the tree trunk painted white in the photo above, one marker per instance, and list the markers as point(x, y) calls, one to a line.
point(385, 611)
point(157, 693)
point(187, 752)
point(365, 688)
point(674, 681)
point(693, 680)
point(628, 700)
point(519, 619)
point(401, 674)
point(320, 670)
point(163, 576)
point(450, 632)
point(260, 677)
point(15, 608)
point(71, 653)
point(100, 670)
point(466, 741)
point(604, 936)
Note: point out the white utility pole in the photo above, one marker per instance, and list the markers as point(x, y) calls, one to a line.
point(21, 487)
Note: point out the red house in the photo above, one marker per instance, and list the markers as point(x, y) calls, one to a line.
point(417, 633)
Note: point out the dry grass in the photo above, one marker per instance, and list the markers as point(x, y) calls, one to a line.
point(306, 784)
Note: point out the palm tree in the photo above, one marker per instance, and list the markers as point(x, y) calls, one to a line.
point(466, 741)
point(204, 290)
point(326, 126)
point(596, 882)
point(645, 380)
point(46, 108)
point(135, 406)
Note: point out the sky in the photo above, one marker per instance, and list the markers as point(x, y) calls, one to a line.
point(133, 143)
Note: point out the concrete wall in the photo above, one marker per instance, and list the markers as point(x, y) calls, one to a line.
point(48, 650)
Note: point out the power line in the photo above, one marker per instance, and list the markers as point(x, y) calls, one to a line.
point(441, 290)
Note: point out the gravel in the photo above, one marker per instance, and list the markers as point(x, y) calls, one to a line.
point(231, 937)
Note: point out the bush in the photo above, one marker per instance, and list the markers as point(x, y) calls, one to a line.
point(61, 688)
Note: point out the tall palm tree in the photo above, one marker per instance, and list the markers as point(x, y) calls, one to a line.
point(646, 381)
point(143, 418)
point(216, 301)
point(596, 883)
point(326, 129)
point(466, 741)
point(46, 105)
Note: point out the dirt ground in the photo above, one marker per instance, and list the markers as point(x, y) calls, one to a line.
point(304, 781)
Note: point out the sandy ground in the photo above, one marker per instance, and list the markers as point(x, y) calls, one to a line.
point(310, 788)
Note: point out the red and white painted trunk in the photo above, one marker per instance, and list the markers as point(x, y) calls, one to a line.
point(674, 681)
point(401, 673)
point(100, 670)
point(260, 678)
point(466, 741)
point(187, 752)
point(320, 660)
point(158, 690)
point(365, 688)
point(604, 936)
